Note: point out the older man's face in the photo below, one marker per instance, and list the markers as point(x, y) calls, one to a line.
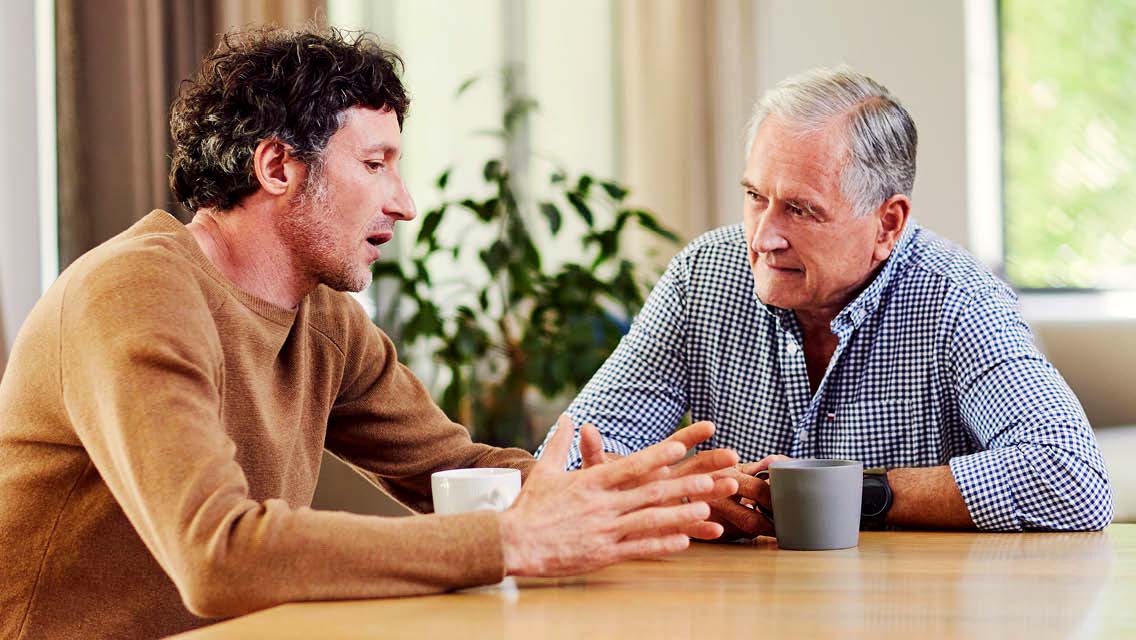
point(808, 250)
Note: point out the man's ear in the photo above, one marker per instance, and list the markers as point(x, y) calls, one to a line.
point(892, 218)
point(277, 169)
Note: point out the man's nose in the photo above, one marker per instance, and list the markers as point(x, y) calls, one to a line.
point(768, 236)
point(401, 206)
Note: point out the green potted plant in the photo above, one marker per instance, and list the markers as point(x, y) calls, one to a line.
point(522, 326)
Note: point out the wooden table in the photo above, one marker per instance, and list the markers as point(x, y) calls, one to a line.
point(895, 584)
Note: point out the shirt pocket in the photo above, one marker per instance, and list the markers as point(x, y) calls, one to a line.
point(879, 433)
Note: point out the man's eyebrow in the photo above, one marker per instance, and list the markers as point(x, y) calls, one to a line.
point(748, 185)
point(807, 205)
point(382, 148)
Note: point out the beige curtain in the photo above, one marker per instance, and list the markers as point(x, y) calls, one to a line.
point(3, 337)
point(689, 77)
point(119, 64)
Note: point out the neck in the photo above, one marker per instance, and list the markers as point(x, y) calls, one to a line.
point(246, 248)
point(816, 322)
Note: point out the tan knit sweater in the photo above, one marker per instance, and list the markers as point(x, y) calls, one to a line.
point(160, 439)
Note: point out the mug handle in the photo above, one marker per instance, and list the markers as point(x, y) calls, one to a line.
point(766, 513)
point(498, 500)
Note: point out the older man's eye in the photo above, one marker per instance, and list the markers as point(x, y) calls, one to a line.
point(374, 165)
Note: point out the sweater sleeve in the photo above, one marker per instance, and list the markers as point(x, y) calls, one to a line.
point(386, 424)
point(140, 369)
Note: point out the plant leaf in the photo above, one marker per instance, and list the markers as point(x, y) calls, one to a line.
point(583, 185)
point(616, 192)
point(648, 222)
point(430, 224)
point(492, 170)
point(581, 207)
point(444, 179)
point(465, 85)
point(553, 214)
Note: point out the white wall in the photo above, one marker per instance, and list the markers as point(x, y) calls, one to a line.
point(916, 48)
point(19, 208)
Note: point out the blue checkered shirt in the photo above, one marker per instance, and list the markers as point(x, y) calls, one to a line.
point(934, 365)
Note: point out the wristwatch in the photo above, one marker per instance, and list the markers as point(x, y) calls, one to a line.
point(876, 501)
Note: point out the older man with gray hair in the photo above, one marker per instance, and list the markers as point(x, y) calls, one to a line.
point(831, 325)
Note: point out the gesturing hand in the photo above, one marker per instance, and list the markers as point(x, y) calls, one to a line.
point(565, 523)
point(720, 463)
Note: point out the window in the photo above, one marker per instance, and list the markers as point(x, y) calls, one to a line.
point(1068, 83)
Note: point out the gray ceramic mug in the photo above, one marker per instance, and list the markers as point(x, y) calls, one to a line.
point(816, 503)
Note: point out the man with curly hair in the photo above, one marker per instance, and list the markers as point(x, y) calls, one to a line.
point(168, 400)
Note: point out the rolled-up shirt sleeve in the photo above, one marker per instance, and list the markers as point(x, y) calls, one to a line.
point(1040, 468)
point(640, 394)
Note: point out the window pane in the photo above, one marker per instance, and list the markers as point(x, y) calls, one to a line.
point(1069, 121)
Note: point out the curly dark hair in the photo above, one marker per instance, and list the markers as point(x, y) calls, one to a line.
point(272, 83)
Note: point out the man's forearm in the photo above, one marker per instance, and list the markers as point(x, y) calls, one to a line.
point(927, 498)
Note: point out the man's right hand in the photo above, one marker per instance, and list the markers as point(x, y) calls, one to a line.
point(734, 514)
point(565, 523)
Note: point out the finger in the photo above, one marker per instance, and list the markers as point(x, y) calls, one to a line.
point(591, 446)
point(707, 462)
point(555, 456)
point(703, 530)
point(746, 520)
point(652, 547)
point(723, 488)
point(729, 531)
point(763, 464)
point(693, 434)
point(638, 465)
point(662, 491)
point(751, 487)
point(661, 518)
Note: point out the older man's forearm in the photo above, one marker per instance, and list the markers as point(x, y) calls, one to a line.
point(927, 498)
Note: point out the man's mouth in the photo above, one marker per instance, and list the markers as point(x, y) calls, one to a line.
point(379, 238)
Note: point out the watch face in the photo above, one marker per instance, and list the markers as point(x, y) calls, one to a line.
point(875, 496)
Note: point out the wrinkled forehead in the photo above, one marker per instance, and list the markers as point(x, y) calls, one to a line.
point(786, 154)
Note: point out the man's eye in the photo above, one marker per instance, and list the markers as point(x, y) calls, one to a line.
point(374, 165)
point(795, 210)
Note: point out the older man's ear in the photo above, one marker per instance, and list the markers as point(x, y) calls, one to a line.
point(892, 220)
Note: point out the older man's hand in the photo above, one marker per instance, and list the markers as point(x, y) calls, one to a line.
point(565, 523)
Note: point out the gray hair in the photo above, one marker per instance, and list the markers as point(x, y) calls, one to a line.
point(880, 133)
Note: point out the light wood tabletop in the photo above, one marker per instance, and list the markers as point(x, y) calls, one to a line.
point(895, 584)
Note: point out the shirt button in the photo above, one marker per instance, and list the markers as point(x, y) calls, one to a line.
point(803, 435)
point(792, 348)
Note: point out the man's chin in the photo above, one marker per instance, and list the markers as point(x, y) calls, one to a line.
point(352, 283)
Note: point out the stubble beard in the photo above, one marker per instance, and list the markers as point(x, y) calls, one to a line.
point(313, 245)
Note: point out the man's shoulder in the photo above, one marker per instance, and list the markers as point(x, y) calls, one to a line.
point(934, 261)
point(144, 259)
point(728, 238)
point(720, 249)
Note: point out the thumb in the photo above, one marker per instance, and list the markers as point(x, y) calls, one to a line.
point(556, 452)
point(591, 446)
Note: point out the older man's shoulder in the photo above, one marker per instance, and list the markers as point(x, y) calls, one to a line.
point(934, 258)
point(723, 243)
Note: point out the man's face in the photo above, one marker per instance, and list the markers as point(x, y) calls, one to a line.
point(348, 207)
point(808, 250)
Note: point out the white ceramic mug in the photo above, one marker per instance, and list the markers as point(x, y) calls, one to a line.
point(463, 490)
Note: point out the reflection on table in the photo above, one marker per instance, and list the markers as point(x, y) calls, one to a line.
point(895, 584)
